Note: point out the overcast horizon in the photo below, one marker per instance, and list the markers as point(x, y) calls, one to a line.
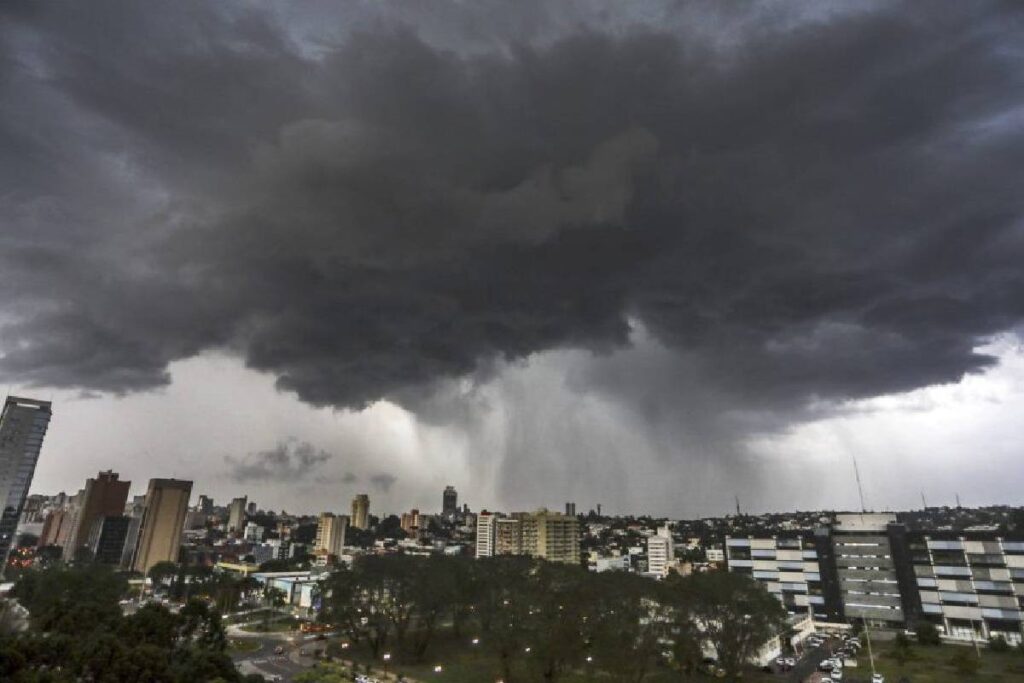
point(653, 255)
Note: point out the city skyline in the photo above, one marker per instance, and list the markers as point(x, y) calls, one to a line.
point(651, 256)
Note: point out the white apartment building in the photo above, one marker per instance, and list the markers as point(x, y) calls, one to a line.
point(485, 526)
point(660, 552)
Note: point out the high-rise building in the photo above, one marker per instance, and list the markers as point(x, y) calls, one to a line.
point(134, 511)
point(552, 536)
point(162, 523)
point(361, 511)
point(660, 552)
point(205, 504)
point(449, 501)
point(508, 536)
point(236, 514)
point(485, 527)
point(103, 496)
point(549, 535)
point(330, 534)
point(570, 509)
point(107, 538)
point(795, 567)
point(410, 521)
point(23, 424)
point(866, 570)
point(55, 519)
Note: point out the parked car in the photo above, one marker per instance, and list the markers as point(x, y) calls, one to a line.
point(877, 678)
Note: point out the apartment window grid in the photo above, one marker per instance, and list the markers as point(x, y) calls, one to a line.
point(972, 575)
point(784, 567)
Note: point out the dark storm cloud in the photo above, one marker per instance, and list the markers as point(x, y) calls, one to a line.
point(383, 481)
point(288, 461)
point(798, 207)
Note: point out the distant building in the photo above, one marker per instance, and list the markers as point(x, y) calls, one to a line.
point(660, 552)
point(714, 555)
point(250, 509)
point(162, 523)
point(134, 511)
point(253, 532)
point(236, 514)
point(105, 495)
point(51, 533)
point(612, 564)
point(485, 528)
point(570, 509)
point(410, 521)
point(23, 425)
point(449, 501)
point(330, 534)
point(361, 511)
point(508, 536)
point(549, 535)
point(107, 538)
point(205, 505)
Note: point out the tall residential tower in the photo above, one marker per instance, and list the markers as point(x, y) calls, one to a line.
point(162, 523)
point(23, 424)
point(361, 511)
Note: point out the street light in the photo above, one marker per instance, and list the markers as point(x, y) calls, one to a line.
point(476, 641)
point(387, 658)
point(438, 669)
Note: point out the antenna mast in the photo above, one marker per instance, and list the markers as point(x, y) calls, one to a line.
point(860, 489)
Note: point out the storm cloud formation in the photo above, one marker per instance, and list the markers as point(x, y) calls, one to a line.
point(289, 460)
point(795, 209)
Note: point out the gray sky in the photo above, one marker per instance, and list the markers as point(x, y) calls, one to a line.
point(651, 255)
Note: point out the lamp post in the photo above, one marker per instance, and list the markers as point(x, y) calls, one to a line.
point(387, 658)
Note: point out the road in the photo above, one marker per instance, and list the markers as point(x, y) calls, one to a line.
point(807, 666)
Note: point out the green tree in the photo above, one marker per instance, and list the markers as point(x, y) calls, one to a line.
point(998, 644)
point(71, 600)
point(736, 615)
point(927, 634)
point(627, 624)
point(503, 609)
point(902, 651)
point(160, 572)
point(561, 599)
point(273, 600)
point(965, 661)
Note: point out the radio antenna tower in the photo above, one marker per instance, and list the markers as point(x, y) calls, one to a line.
point(860, 489)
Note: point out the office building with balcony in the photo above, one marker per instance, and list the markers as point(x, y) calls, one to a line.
point(790, 569)
point(970, 585)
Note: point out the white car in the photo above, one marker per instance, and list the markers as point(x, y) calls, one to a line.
point(836, 675)
point(790, 662)
point(877, 678)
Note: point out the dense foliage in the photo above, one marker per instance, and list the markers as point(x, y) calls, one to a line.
point(78, 633)
point(550, 618)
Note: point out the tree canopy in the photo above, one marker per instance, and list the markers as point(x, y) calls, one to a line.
point(78, 632)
